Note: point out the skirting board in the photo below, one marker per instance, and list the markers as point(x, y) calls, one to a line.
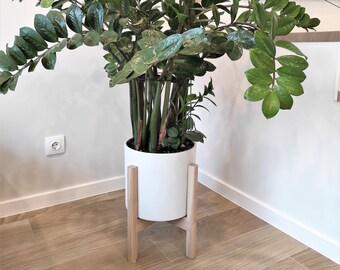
point(46, 199)
point(316, 240)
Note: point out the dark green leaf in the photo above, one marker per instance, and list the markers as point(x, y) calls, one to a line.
point(261, 59)
point(265, 43)
point(234, 10)
point(270, 105)
point(280, 5)
point(216, 15)
point(32, 37)
point(173, 132)
point(7, 63)
point(17, 55)
point(289, 46)
point(74, 17)
point(195, 136)
point(49, 60)
point(259, 12)
point(292, 73)
point(4, 76)
point(95, 16)
point(91, 38)
point(293, 61)
point(314, 22)
point(271, 3)
point(257, 76)
point(45, 28)
point(58, 22)
point(257, 92)
point(274, 25)
point(108, 36)
point(75, 41)
point(59, 46)
point(294, 88)
point(234, 50)
point(33, 64)
point(28, 50)
point(286, 100)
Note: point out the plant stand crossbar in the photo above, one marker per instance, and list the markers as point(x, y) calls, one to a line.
point(187, 223)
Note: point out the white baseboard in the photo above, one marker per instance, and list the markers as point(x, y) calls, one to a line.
point(54, 197)
point(302, 232)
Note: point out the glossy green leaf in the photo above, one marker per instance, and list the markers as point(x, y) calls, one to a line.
point(4, 76)
point(75, 41)
point(292, 10)
point(265, 43)
point(108, 36)
point(314, 22)
point(150, 38)
point(280, 5)
point(168, 47)
point(257, 76)
point(216, 15)
point(286, 25)
point(95, 16)
point(49, 60)
point(289, 46)
point(74, 17)
point(17, 55)
point(292, 73)
point(286, 100)
point(33, 64)
point(91, 38)
point(173, 132)
point(58, 22)
point(234, 10)
point(195, 136)
point(7, 63)
point(28, 50)
point(244, 37)
point(294, 88)
point(270, 105)
point(261, 59)
point(45, 28)
point(274, 25)
point(46, 3)
point(32, 37)
point(256, 92)
point(234, 50)
point(293, 61)
point(271, 3)
point(259, 13)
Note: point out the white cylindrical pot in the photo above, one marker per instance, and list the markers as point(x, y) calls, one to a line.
point(162, 183)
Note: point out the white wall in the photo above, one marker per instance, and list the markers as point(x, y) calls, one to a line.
point(285, 170)
point(73, 100)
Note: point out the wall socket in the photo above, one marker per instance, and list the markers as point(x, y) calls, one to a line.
point(54, 145)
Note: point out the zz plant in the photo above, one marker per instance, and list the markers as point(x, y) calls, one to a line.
point(159, 47)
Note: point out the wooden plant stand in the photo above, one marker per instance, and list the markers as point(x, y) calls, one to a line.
point(187, 223)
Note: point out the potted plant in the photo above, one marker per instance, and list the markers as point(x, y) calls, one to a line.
point(158, 48)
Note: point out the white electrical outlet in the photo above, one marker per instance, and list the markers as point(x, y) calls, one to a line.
point(54, 145)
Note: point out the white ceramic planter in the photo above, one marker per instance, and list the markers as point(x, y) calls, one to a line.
point(162, 183)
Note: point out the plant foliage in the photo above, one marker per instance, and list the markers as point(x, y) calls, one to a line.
point(159, 47)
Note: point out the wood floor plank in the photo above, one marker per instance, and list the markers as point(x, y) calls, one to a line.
point(313, 261)
point(287, 264)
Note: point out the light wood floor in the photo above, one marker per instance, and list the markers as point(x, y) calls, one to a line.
point(91, 234)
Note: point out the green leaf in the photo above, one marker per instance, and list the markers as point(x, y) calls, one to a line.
point(274, 25)
point(259, 12)
point(314, 22)
point(258, 76)
point(271, 3)
point(216, 15)
point(257, 92)
point(293, 61)
point(74, 17)
point(286, 25)
point(49, 60)
point(280, 5)
point(168, 47)
point(195, 136)
point(150, 38)
point(244, 37)
point(45, 28)
point(270, 105)
point(108, 36)
point(289, 46)
point(294, 88)
point(17, 55)
point(95, 16)
point(59, 46)
point(265, 43)
point(28, 50)
point(292, 73)
point(234, 50)
point(75, 42)
point(4, 76)
point(32, 37)
point(46, 3)
point(33, 64)
point(91, 38)
point(58, 22)
point(261, 59)
point(286, 100)
point(173, 132)
point(7, 63)
point(234, 10)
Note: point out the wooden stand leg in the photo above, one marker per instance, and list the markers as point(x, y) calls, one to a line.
point(132, 216)
point(187, 223)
